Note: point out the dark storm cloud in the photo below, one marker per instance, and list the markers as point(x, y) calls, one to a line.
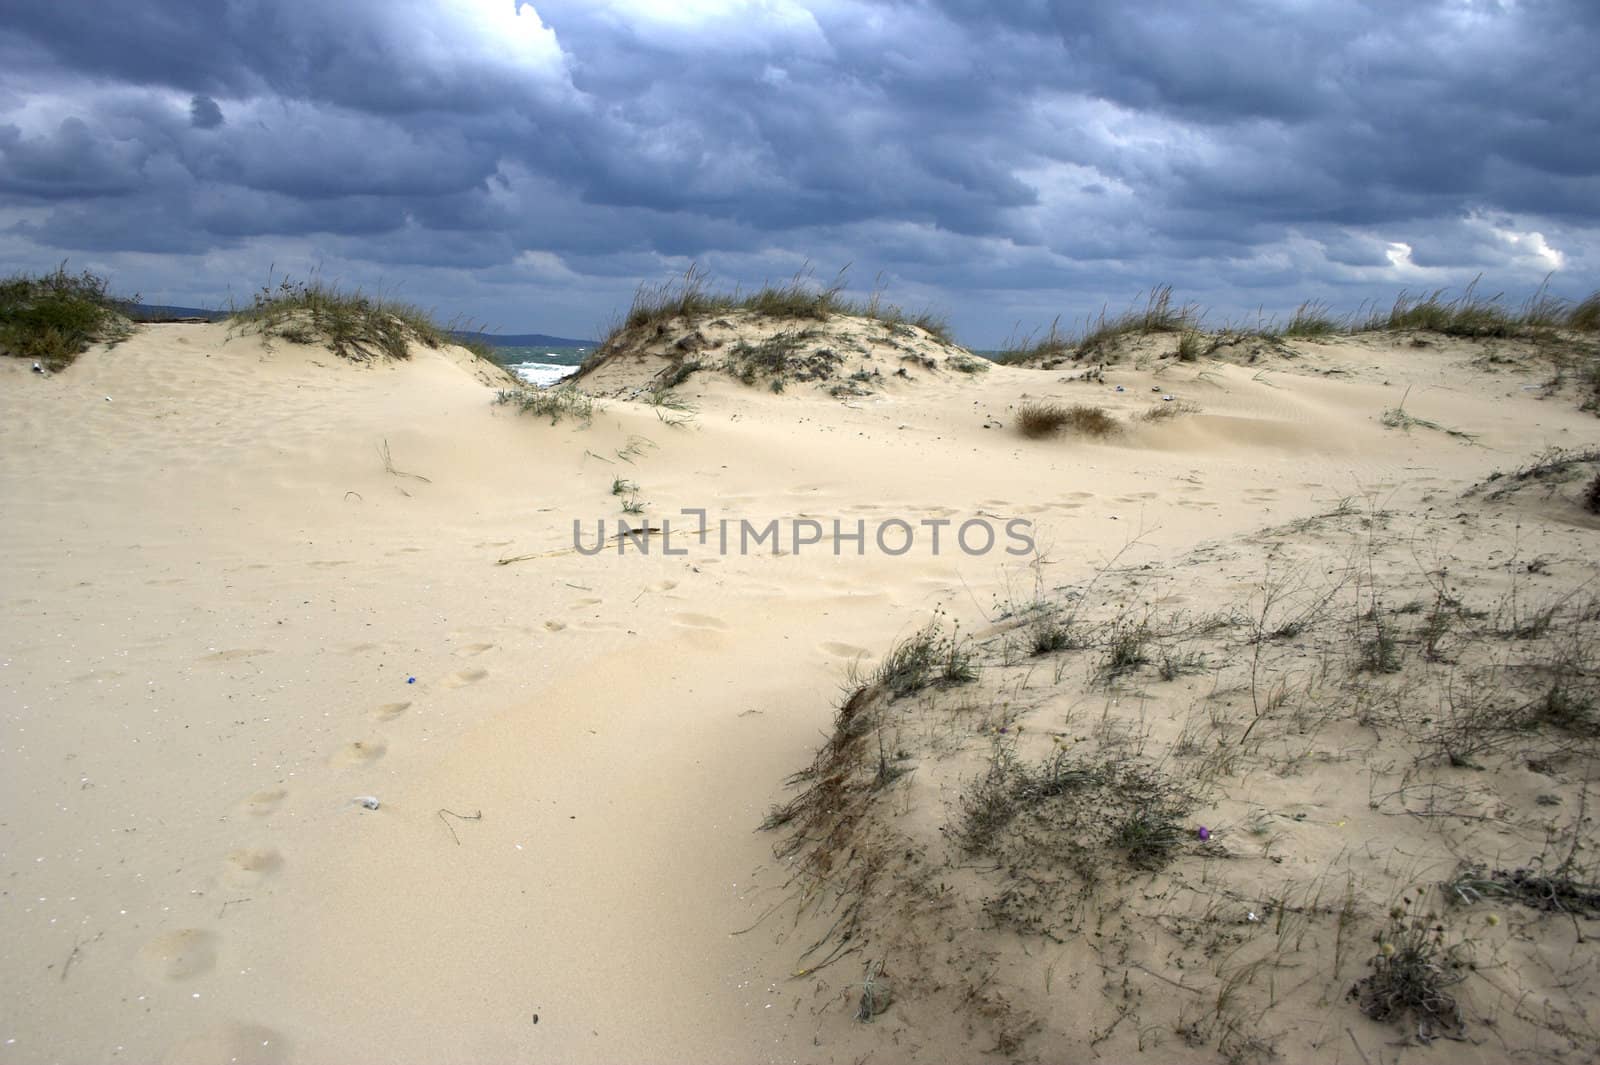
point(955, 143)
point(204, 113)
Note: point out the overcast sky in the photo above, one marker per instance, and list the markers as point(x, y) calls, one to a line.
point(528, 165)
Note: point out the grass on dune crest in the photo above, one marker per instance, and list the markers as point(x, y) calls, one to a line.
point(800, 297)
point(1471, 314)
point(53, 318)
point(354, 325)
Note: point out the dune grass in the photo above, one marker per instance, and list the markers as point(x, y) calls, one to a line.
point(53, 318)
point(1038, 419)
point(1471, 314)
point(352, 324)
point(1158, 315)
point(555, 403)
point(692, 296)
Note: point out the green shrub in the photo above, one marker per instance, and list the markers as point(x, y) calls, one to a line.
point(53, 318)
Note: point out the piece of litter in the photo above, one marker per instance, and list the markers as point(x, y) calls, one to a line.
point(368, 802)
point(37, 368)
point(1155, 388)
point(108, 399)
point(1204, 833)
point(1251, 916)
point(411, 680)
point(1121, 389)
point(1168, 399)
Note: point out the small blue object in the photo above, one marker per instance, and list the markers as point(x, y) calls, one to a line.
point(1121, 389)
point(411, 680)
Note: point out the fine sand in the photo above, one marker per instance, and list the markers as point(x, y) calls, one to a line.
point(246, 586)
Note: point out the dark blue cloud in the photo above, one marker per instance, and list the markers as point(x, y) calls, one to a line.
point(1085, 149)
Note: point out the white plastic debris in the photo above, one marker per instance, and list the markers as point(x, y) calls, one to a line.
point(108, 399)
point(1168, 399)
point(367, 802)
point(37, 368)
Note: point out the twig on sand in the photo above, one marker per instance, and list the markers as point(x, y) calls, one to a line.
point(72, 957)
point(460, 817)
point(388, 465)
point(231, 902)
point(1357, 1045)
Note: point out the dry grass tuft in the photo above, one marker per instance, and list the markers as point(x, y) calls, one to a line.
point(1037, 419)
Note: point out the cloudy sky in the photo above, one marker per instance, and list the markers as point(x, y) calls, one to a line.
point(529, 164)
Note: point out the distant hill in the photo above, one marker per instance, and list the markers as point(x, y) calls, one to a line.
point(160, 312)
point(527, 340)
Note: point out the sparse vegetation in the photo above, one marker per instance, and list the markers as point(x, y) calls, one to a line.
point(1397, 418)
point(1162, 412)
point(1312, 319)
point(562, 401)
point(353, 325)
point(1037, 419)
point(1052, 345)
point(930, 657)
point(691, 296)
point(53, 318)
point(1191, 346)
point(1411, 977)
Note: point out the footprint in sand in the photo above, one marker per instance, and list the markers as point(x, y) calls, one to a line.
point(251, 865)
point(229, 656)
point(844, 650)
point(554, 626)
point(232, 1042)
point(699, 621)
point(661, 586)
point(179, 955)
point(472, 650)
point(388, 711)
point(360, 752)
point(462, 678)
point(264, 802)
point(587, 601)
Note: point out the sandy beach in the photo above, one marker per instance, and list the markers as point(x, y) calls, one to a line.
point(253, 589)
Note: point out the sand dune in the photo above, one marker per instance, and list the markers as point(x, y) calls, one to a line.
point(249, 586)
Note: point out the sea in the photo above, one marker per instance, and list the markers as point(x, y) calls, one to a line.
point(542, 366)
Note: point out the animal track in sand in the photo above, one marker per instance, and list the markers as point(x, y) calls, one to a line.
point(180, 954)
point(264, 802)
point(358, 752)
point(388, 711)
point(462, 678)
point(843, 650)
point(699, 621)
point(472, 650)
point(233, 655)
point(251, 865)
point(232, 1042)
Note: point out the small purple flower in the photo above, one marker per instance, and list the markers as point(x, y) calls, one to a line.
point(1204, 833)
